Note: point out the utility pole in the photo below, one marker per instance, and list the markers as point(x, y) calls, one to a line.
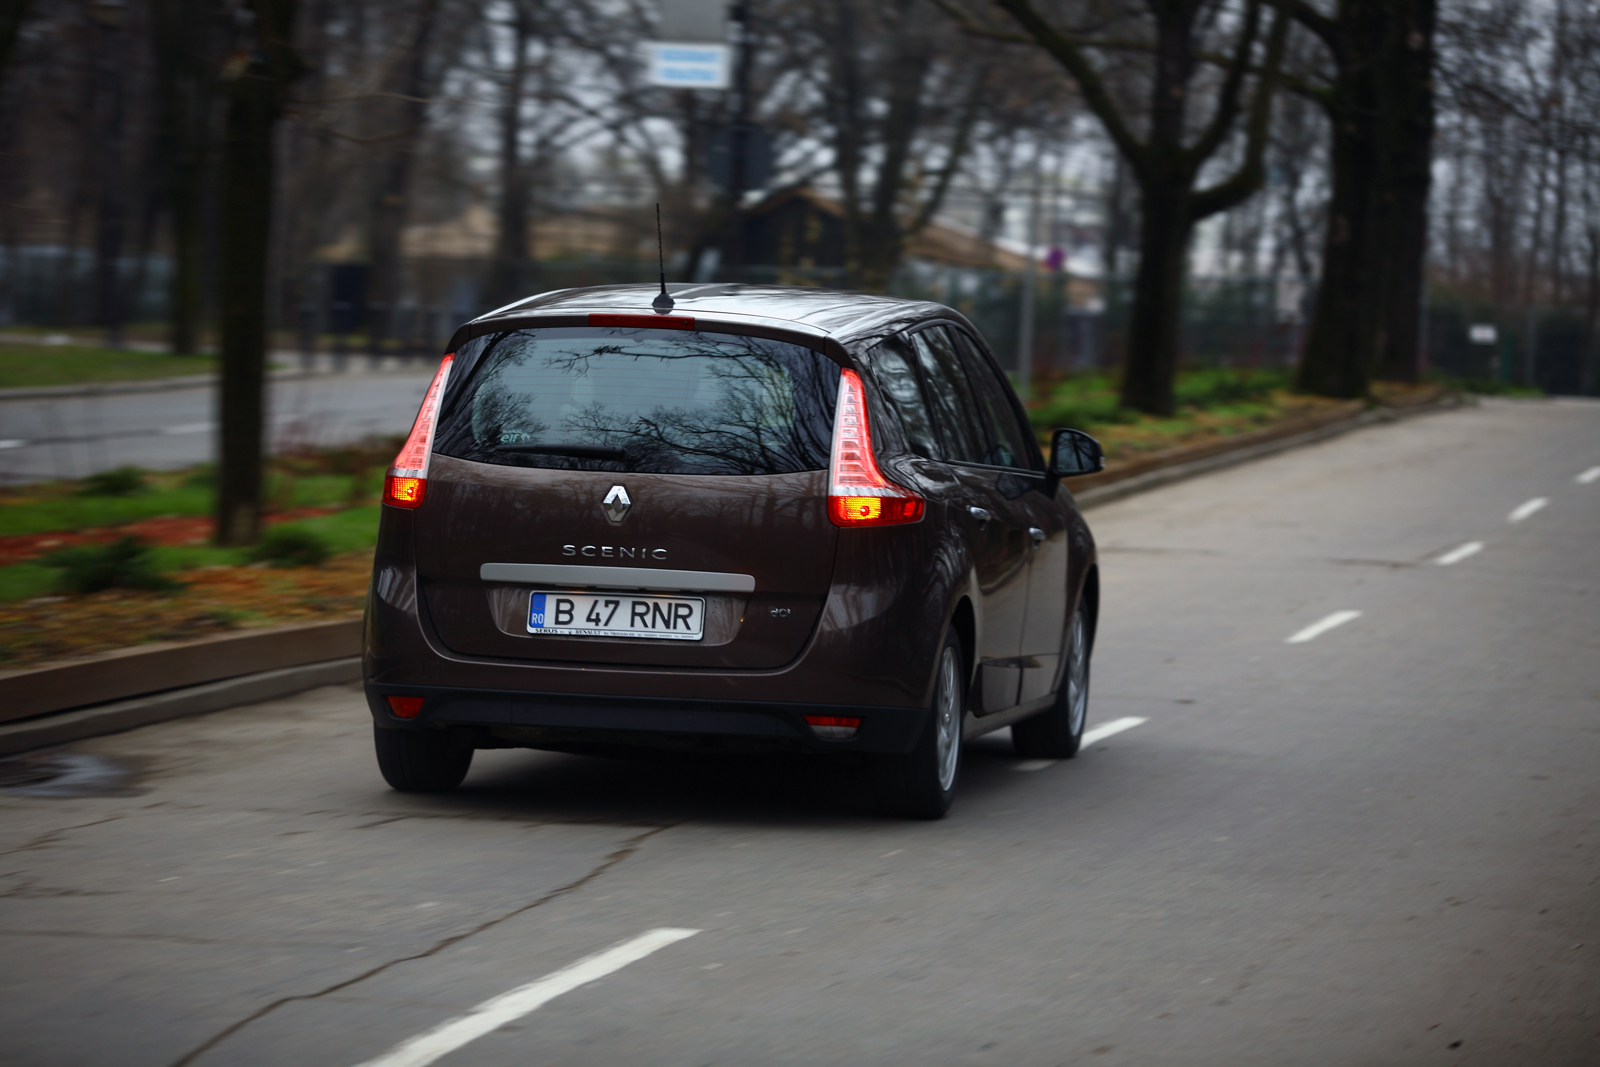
point(1030, 281)
point(109, 17)
point(739, 179)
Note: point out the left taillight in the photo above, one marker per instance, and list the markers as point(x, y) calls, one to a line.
point(407, 482)
point(858, 493)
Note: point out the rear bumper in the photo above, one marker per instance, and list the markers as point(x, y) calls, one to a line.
point(492, 718)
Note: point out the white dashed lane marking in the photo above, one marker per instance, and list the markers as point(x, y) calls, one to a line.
point(1456, 555)
point(1524, 510)
point(189, 427)
point(510, 1006)
point(1321, 626)
point(1588, 477)
point(1099, 733)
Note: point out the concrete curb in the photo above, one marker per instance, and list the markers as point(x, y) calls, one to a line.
point(140, 670)
point(61, 728)
point(179, 703)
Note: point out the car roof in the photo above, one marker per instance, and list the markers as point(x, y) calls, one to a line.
point(847, 317)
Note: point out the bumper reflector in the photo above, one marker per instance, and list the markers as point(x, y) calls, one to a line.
point(832, 727)
point(405, 707)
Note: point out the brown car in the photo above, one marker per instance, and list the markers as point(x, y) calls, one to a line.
point(751, 518)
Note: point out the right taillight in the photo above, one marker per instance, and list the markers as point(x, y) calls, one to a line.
point(858, 493)
point(408, 478)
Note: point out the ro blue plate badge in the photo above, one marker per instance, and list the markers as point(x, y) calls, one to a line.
point(536, 611)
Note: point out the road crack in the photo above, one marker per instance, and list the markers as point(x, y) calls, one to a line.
point(629, 847)
point(45, 840)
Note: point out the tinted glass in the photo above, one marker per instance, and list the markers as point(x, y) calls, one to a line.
point(950, 396)
point(658, 401)
point(893, 368)
point(1007, 446)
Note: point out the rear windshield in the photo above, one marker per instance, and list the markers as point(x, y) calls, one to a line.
point(657, 401)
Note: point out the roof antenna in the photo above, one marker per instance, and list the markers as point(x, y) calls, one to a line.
point(663, 302)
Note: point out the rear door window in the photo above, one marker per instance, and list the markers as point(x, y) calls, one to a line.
point(950, 396)
point(893, 366)
point(1007, 446)
point(656, 401)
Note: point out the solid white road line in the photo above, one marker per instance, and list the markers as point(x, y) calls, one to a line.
point(510, 1006)
point(1322, 626)
point(1589, 476)
point(1099, 733)
point(1456, 555)
point(1530, 507)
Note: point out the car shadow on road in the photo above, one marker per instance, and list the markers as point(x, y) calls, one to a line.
point(644, 788)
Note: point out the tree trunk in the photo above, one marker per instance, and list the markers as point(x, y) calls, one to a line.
point(111, 215)
point(1407, 178)
point(393, 189)
point(185, 90)
point(254, 105)
point(12, 12)
point(511, 270)
point(1367, 316)
point(1154, 319)
point(1340, 344)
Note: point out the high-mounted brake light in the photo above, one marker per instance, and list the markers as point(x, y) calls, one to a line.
point(858, 493)
point(644, 322)
point(408, 478)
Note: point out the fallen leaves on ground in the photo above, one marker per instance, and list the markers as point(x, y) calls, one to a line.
point(215, 600)
point(163, 530)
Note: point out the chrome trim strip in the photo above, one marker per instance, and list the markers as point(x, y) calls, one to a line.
point(559, 574)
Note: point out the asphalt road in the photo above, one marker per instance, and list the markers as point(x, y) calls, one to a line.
point(71, 436)
point(1374, 846)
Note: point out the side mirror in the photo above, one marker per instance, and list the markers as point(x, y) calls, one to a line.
point(1073, 452)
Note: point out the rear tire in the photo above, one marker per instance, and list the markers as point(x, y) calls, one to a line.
point(420, 761)
point(1057, 732)
point(922, 784)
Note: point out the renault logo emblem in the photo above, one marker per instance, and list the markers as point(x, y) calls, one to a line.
point(616, 504)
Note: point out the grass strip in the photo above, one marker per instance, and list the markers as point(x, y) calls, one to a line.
point(31, 366)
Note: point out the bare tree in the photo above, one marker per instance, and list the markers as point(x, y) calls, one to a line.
point(1169, 160)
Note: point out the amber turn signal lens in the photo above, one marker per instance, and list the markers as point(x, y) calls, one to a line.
point(404, 492)
point(405, 707)
point(877, 510)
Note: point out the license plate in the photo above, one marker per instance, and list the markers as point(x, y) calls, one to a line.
point(616, 615)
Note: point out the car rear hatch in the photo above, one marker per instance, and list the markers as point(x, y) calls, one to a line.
point(605, 467)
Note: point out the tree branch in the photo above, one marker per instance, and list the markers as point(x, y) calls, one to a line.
point(1090, 84)
point(1326, 29)
point(1252, 172)
point(973, 27)
point(952, 162)
point(1228, 96)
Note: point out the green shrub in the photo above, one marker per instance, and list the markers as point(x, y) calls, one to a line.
point(291, 546)
point(120, 481)
point(123, 564)
point(1221, 385)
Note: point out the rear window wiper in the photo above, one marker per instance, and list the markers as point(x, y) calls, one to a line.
point(576, 451)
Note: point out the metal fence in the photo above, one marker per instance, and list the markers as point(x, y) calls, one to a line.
point(1079, 325)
